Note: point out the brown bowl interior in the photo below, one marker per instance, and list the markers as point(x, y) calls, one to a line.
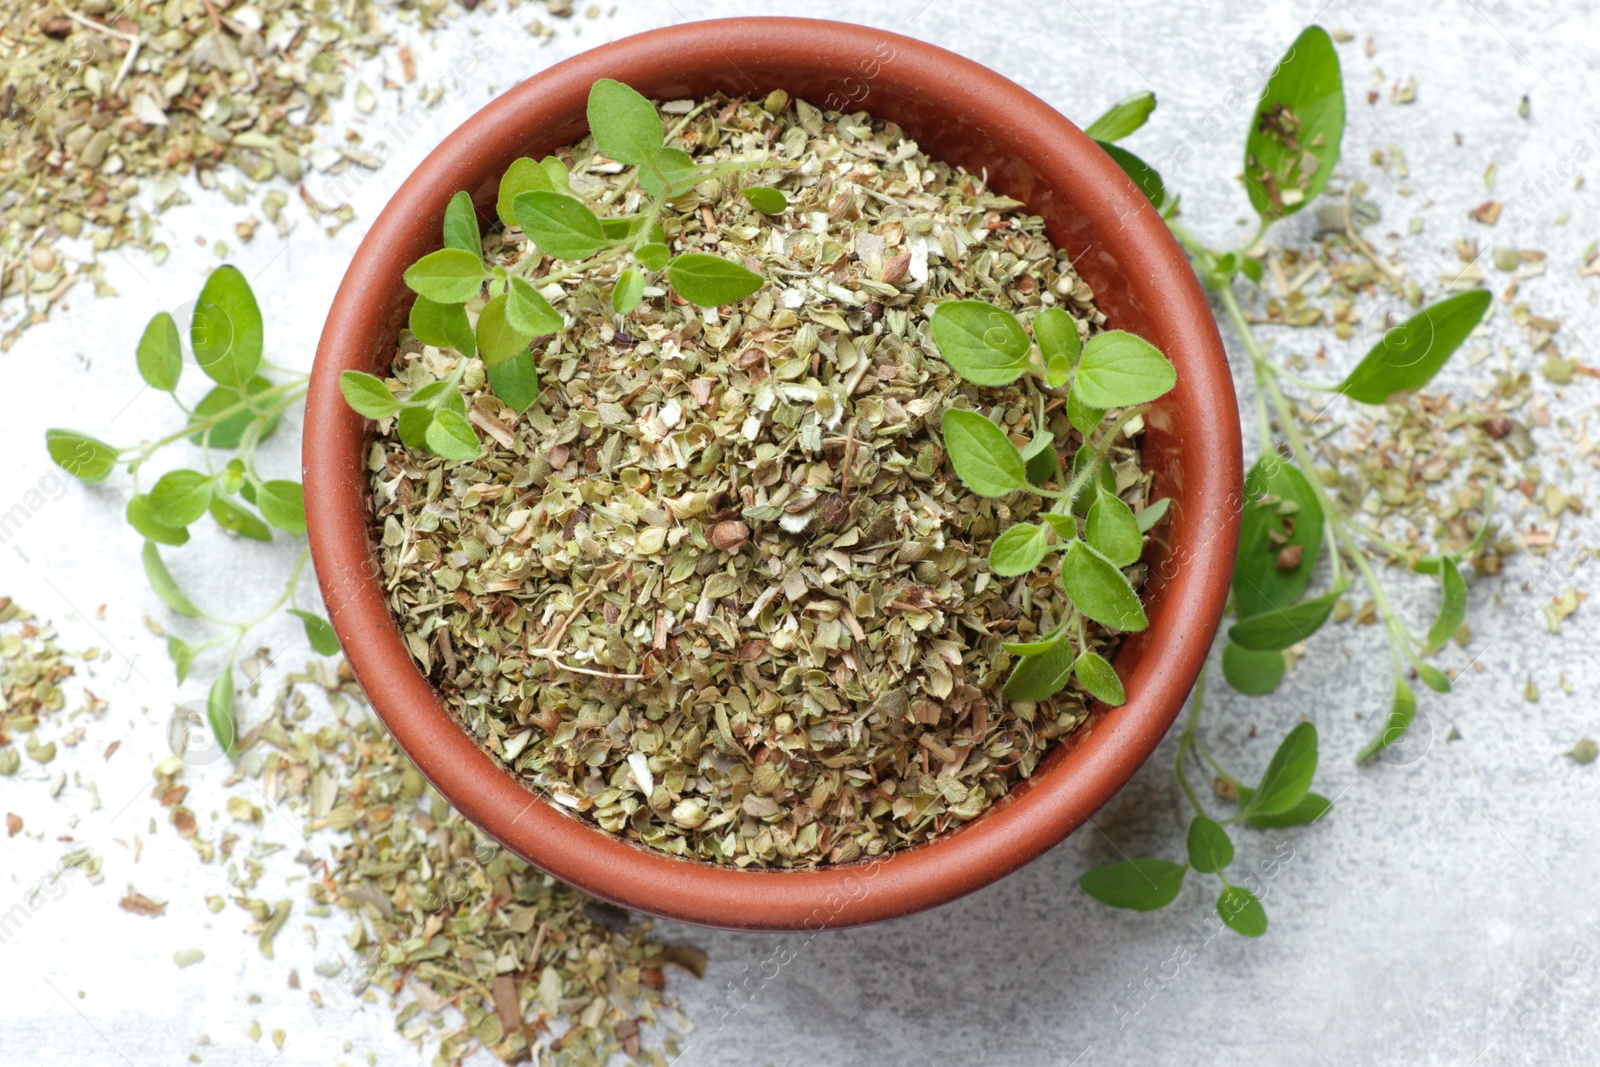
point(957, 111)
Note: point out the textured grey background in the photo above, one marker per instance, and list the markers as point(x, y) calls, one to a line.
point(1443, 914)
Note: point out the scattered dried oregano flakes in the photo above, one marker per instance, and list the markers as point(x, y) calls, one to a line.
point(716, 589)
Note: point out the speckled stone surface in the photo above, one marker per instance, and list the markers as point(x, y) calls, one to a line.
point(1444, 914)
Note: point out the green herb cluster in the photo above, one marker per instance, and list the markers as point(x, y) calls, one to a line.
point(537, 198)
point(1289, 513)
point(1089, 526)
point(243, 408)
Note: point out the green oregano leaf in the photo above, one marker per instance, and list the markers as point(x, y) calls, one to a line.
point(983, 456)
point(230, 431)
point(237, 520)
point(560, 225)
point(498, 340)
point(1309, 810)
point(180, 497)
point(529, 312)
point(1019, 549)
point(1099, 679)
point(1297, 127)
point(417, 415)
point(1113, 531)
point(1250, 672)
point(1120, 369)
point(628, 291)
point(711, 281)
point(1242, 911)
point(162, 582)
point(1123, 117)
point(283, 504)
point(1042, 674)
point(765, 199)
point(461, 225)
point(1401, 713)
point(1100, 590)
point(219, 710)
point(138, 516)
point(1138, 885)
point(1146, 177)
point(443, 326)
point(1059, 343)
point(556, 171)
point(625, 125)
point(448, 276)
point(516, 381)
point(1282, 519)
point(367, 395)
point(1452, 607)
point(670, 172)
point(318, 631)
point(653, 256)
point(1279, 628)
point(450, 435)
point(86, 458)
point(1210, 848)
point(1287, 778)
point(1409, 355)
point(1147, 519)
point(160, 353)
point(182, 655)
point(984, 344)
point(1083, 417)
point(523, 176)
point(226, 332)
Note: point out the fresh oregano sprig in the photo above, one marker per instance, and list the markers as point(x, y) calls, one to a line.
point(1093, 531)
point(241, 410)
point(536, 198)
point(1291, 149)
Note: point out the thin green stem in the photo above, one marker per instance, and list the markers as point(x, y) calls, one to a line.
point(1187, 741)
point(290, 391)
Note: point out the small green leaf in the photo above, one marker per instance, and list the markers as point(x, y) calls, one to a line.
point(1083, 417)
point(516, 381)
point(283, 504)
point(1033, 648)
point(983, 456)
point(85, 458)
point(1123, 117)
point(1401, 713)
point(1113, 531)
point(628, 291)
point(523, 176)
point(1242, 911)
point(160, 353)
point(1297, 127)
point(219, 710)
point(1042, 674)
point(1042, 465)
point(1099, 679)
point(367, 395)
point(529, 312)
point(1120, 369)
point(560, 177)
point(230, 431)
point(984, 344)
point(461, 225)
point(450, 435)
point(138, 516)
point(498, 340)
point(1146, 177)
point(448, 276)
point(1279, 628)
point(1250, 672)
point(1100, 590)
point(711, 281)
point(1210, 848)
point(1057, 334)
point(226, 331)
point(624, 124)
point(417, 415)
point(1433, 677)
point(1409, 355)
point(1139, 885)
point(182, 655)
point(1105, 480)
point(162, 582)
point(561, 226)
point(653, 256)
point(1019, 549)
point(180, 497)
point(670, 172)
point(1309, 810)
point(1287, 778)
point(318, 631)
point(1147, 519)
point(443, 326)
point(1281, 512)
point(765, 199)
point(237, 520)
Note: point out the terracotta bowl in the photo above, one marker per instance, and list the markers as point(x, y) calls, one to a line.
point(957, 111)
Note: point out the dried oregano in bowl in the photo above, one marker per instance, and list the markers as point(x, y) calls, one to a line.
point(742, 519)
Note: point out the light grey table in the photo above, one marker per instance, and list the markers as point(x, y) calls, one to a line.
point(1444, 914)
